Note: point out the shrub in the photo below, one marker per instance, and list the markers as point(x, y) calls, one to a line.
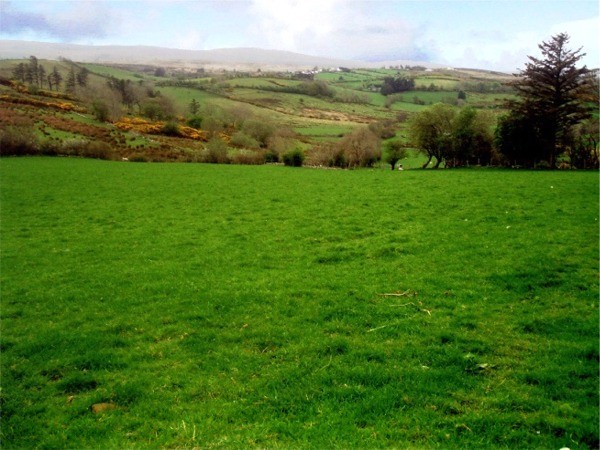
point(171, 129)
point(73, 147)
point(96, 149)
point(49, 147)
point(385, 129)
point(216, 152)
point(282, 140)
point(241, 139)
point(195, 122)
point(138, 157)
point(395, 151)
point(271, 156)
point(260, 130)
point(328, 155)
point(158, 108)
point(361, 148)
point(352, 97)
point(316, 89)
point(294, 158)
point(18, 141)
point(248, 157)
point(100, 110)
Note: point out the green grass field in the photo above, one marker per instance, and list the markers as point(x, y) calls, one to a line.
point(237, 306)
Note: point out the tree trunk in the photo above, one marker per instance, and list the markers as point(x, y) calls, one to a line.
point(437, 164)
point(427, 163)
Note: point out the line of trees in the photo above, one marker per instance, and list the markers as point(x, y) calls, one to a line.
point(34, 73)
point(552, 122)
point(393, 85)
point(454, 137)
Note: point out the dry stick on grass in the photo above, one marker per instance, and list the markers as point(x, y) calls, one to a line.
point(379, 328)
point(395, 294)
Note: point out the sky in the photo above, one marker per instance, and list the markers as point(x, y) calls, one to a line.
point(486, 34)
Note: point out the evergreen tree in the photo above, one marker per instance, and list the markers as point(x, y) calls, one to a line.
point(82, 77)
point(19, 72)
point(550, 91)
point(41, 75)
point(28, 74)
point(33, 71)
point(194, 106)
point(55, 78)
point(71, 81)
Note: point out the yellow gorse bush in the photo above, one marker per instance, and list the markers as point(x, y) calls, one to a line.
point(145, 126)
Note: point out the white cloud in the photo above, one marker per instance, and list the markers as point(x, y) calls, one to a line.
point(292, 24)
point(188, 40)
point(334, 28)
point(583, 33)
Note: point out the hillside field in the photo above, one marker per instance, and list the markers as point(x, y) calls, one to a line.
point(176, 305)
point(304, 119)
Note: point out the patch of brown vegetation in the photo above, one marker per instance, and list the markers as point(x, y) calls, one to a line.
point(98, 408)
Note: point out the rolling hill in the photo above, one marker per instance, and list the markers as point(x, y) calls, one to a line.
point(224, 58)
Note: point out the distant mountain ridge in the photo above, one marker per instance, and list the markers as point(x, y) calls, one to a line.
point(225, 58)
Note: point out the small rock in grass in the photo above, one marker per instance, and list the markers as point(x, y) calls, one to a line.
point(97, 408)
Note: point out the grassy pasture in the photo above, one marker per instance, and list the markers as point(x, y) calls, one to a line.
point(111, 71)
point(235, 306)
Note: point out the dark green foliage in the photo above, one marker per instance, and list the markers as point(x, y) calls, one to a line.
point(124, 88)
point(394, 152)
point(19, 72)
point(158, 108)
point(54, 79)
point(100, 110)
point(400, 83)
point(519, 138)
point(584, 145)
point(456, 137)
point(271, 156)
point(550, 96)
point(195, 122)
point(316, 89)
point(82, 76)
point(312, 88)
point(194, 107)
point(294, 158)
point(431, 132)
point(71, 82)
point(171, 128)
point(472, 139)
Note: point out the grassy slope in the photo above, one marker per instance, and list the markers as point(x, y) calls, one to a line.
point(316, 119)
point(231, 306)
